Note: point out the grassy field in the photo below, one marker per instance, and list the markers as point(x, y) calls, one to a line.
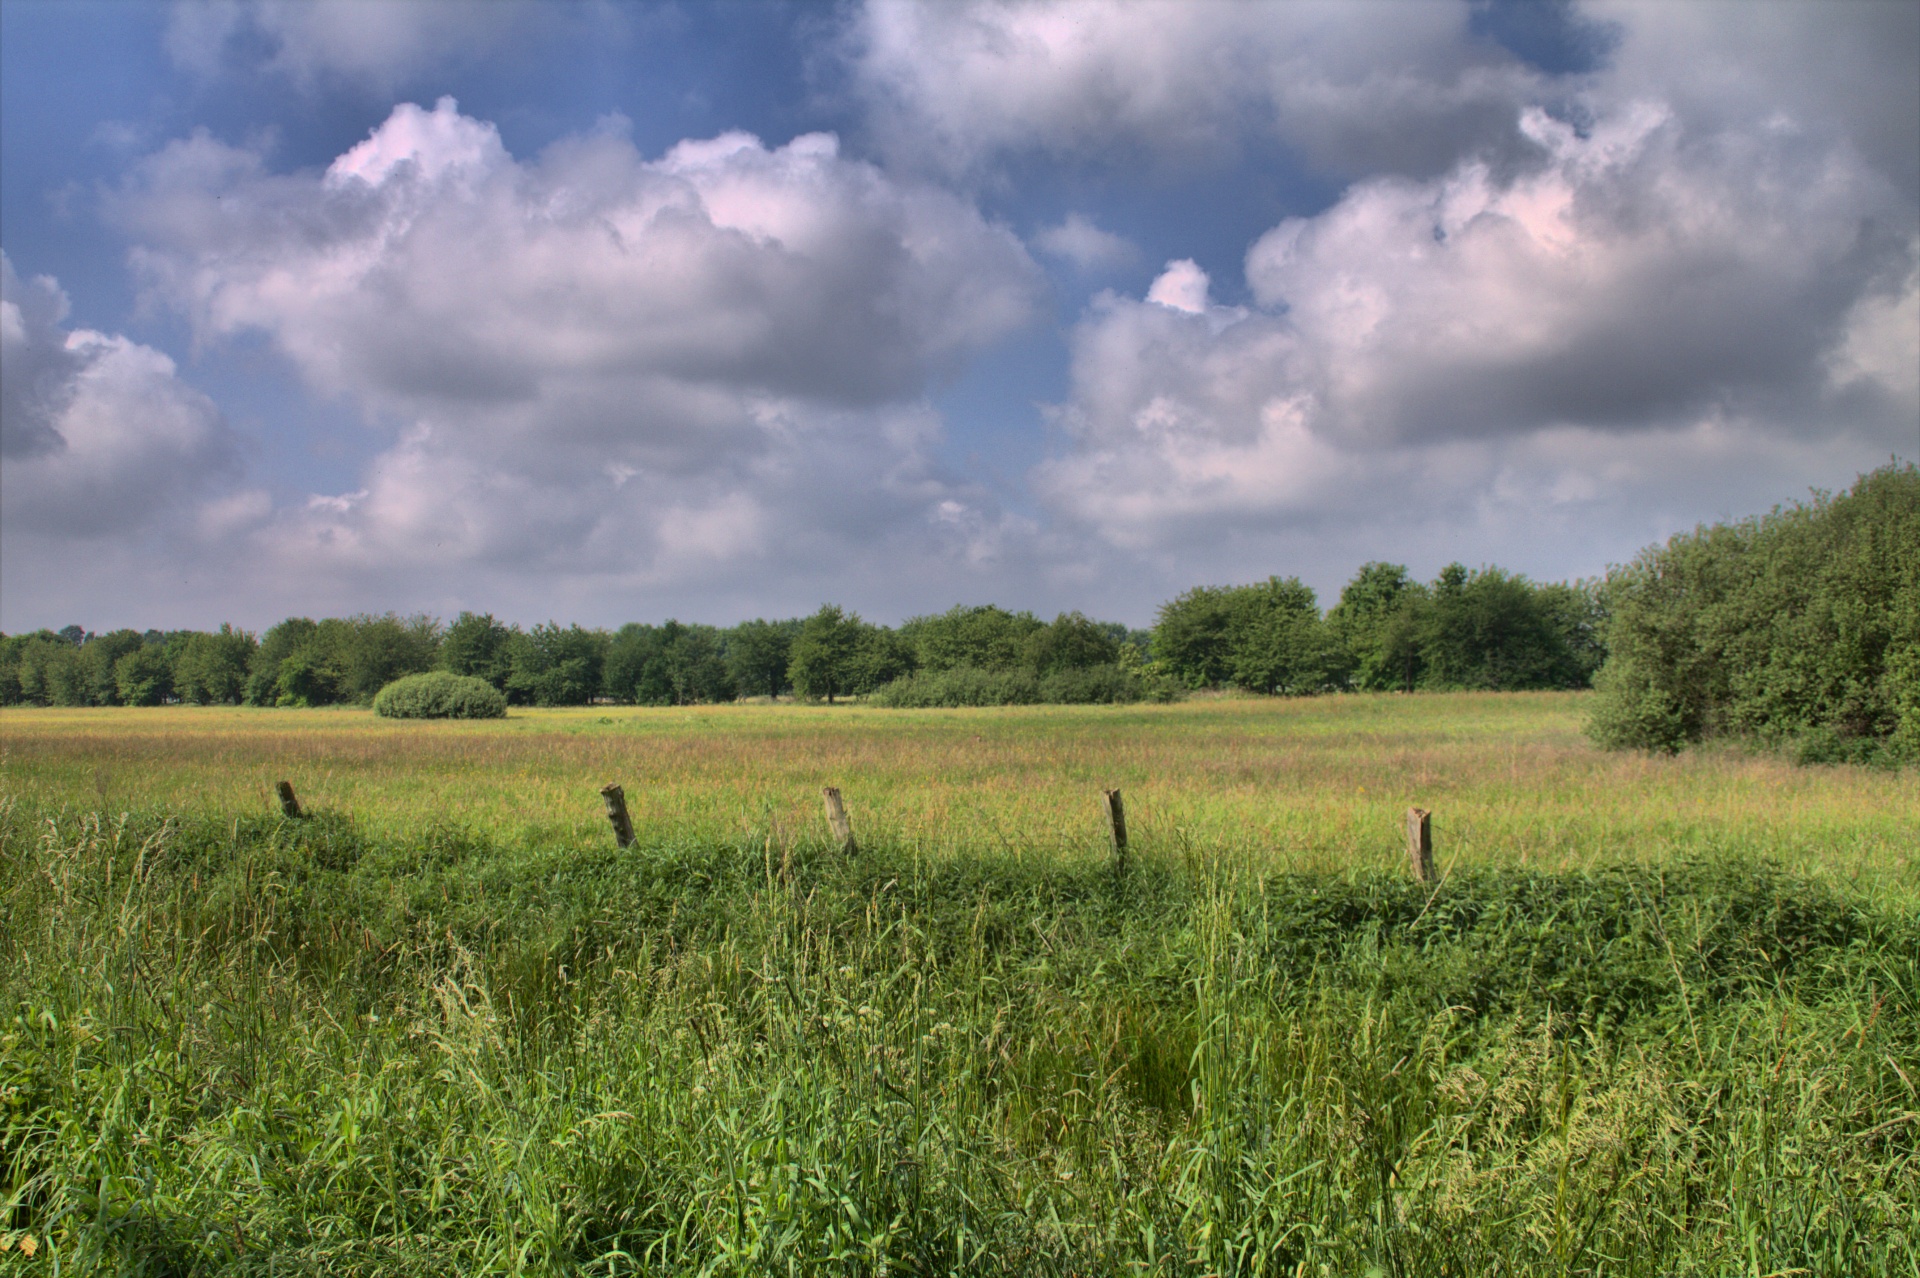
point(1308, 784)
point(1662, 1016)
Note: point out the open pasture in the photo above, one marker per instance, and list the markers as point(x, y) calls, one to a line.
point(1661, 1016)
point(1309, 784)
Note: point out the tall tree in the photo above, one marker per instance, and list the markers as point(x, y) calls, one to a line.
point(758, 653)
point(824, 661)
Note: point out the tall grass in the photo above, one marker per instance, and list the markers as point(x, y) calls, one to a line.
point(1314, 783)
point(245, 1045)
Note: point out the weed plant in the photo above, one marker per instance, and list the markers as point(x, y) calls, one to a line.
point(255, 1046)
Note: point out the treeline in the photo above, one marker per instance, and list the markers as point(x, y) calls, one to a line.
point(1484, 629)
point(1799, 628)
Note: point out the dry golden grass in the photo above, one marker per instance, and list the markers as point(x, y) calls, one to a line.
point(1317, 783)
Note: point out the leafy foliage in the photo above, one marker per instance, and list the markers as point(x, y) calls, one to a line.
point(440, 694)
point(1801, 626)
point(668, 665)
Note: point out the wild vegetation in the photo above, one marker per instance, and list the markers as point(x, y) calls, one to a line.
point(439, 694)
point(1662, 1015)
point(1799, 627)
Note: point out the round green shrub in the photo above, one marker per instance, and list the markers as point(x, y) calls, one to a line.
point(439, 694)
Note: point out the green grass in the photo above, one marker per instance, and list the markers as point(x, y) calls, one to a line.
point(433, 1031)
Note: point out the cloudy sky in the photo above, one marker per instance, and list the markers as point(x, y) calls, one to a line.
point(608, 312)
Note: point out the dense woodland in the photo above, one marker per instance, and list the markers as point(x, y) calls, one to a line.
point(1485, 629)
point(1803, 624)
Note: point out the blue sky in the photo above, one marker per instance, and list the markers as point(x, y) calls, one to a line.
point(609, 312)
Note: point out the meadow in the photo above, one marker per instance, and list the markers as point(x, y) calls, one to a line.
point(1661, 1015)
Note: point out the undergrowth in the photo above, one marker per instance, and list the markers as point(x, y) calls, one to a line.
point(273, 1047)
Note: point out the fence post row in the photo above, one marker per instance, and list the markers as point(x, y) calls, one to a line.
point(1419, 825)
point(617, 814)
point(837, 818)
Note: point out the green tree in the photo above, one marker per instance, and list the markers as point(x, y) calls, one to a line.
point(556, 666)
point(1371, 624)
point(478, 646)
point(144, 677)
point(211, 669)
point(1071, 642)
point(1801, 625)
point(373, 651)
point(98, 656)
point(279, 644)
point(670, 664)
point(826, 660)
point(1279, 644)
point(984, 637)
point(758, 653)
point(1192, 636)
point(1489, 630)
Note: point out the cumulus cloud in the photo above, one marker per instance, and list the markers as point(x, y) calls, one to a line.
point(375, 44)
point(98, 433)
point(1351, 87)
point(1655, 302)
point(1182, 286)
point(669, 373)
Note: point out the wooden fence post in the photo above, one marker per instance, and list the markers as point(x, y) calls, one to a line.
point(837, 818)
point(289, 805)
point(617, 814)
point(1117, 819)
point(1420, 843)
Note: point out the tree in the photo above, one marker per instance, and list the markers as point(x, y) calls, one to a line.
point(555, 666)
point(374, 651)
point(280, 643)
point(478, 646)
point(1488, 630)
point(1071, 643)
point(144, 677)
point(99, 655)
point(1370, 626)
point(1192, 636)
point(757, 654)
point(984, 637)
point(211, 669)
point(1278, 641)
point(825, 659)
point(1799, 626)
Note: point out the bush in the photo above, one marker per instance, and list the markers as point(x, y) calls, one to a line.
point(972, 686)
point(960, 686)
point(440, 695)
point(1798, 629)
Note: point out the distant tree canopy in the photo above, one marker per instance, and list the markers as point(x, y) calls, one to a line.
point(1799, 627)
point(1485, 629)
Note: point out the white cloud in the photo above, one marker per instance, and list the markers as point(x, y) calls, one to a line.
point(1080, 241)
point(1351, 86)
point(1182, 286)
point(1651, 306)
point(99, 435)
point(681, 376)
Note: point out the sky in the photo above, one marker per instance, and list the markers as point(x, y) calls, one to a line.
point(602, 312)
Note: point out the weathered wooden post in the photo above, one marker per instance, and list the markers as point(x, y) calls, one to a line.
point(289, 805)
point(1420, 843)
point(837, 818)
point(617, 814)
point(1117, 819)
